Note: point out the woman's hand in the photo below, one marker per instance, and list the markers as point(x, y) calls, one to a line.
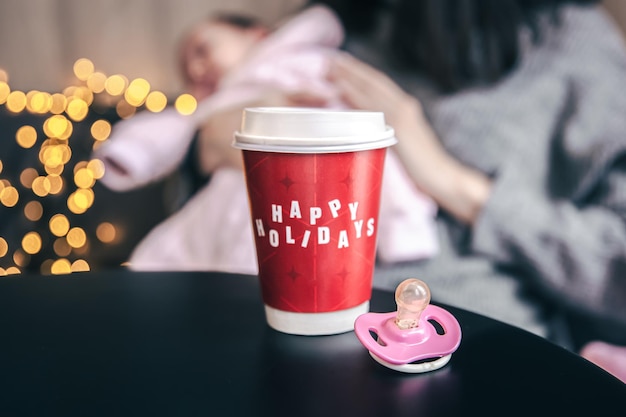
point(364, 87)
point(460, 190)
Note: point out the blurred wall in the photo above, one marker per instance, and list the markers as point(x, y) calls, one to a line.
point(41, 39)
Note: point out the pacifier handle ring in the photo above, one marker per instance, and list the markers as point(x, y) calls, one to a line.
point(415, 368)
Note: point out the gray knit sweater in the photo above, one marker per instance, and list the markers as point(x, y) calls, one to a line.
point(552, 136)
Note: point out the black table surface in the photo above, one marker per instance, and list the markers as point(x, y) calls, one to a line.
point(196, 344)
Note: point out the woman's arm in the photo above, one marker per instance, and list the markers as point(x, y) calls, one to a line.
point(573, 248)
point(460, 190)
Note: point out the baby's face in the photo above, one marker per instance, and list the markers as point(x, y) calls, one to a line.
point(212, 50)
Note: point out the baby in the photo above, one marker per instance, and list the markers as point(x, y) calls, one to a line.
point(228, 61)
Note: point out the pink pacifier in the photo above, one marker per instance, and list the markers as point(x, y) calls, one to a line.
point(419, 337)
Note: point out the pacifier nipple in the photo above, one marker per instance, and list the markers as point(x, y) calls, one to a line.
point(418, 337)
point(412, 297)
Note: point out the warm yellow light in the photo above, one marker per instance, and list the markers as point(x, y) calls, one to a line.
point(61, 247)
point(4, 76)
point(1, 166)
point(59, 225)
point(5, 90)
point(33, 210)
point(186, 104)
point(125, 110)
point(56, 184)
point(115, 84)
point(83, 178)
point(61, 266)
point(79, 165)
point(83, 250)
point(80, 200)
point(77, 109)
point(31, 243)
point(46, 267)
point(27, 176)
point(137, 92)
point(38, 102)
point(56, 126)
point(96, 167)
point(20, 258)
point(41, 186)
point(83, 68)
point(76, 237)
point(83, 93)
point(53, 156)
point(12, 270)
point(80, 265)
point(26, 136)
point(156, 101)
point(4, 247)
point(9, 196)
point(53, 171)
point(59, 102)
point(101, 129)
point(96, 81)
point(105, 232)
point(16, 101)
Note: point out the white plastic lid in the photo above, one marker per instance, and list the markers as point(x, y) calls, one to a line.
point(310, 130)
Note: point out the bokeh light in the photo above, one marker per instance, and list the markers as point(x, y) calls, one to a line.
point(100, 130)
point(106, 232)
point(76, 237)
point(27, 176)
point(80, 265)
point(38, 102)
point(186, 104)
point(5, 90)
point(56, 184)
point(61, 266)
point(4, 247)
point(56, 171)
point(125, 110)
point(26, 136)
point(58, 126)
point(21, 258)
point(16, 101)
point(61, 247)
point(96, 82)
point(115, 84)
point(83, 178)
point(156, 101)
point(33, 210)
point(83, 68)
point(59, 225)
point(31, 243)
point(77, 109)
point(41, 186)
point(9, 196)
point(59, 102)
point(137, 92)
point(96, 167)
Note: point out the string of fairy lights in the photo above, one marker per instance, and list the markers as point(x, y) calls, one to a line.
point(60, 111)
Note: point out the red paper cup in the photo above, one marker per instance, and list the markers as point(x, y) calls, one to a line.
point(314, 179)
